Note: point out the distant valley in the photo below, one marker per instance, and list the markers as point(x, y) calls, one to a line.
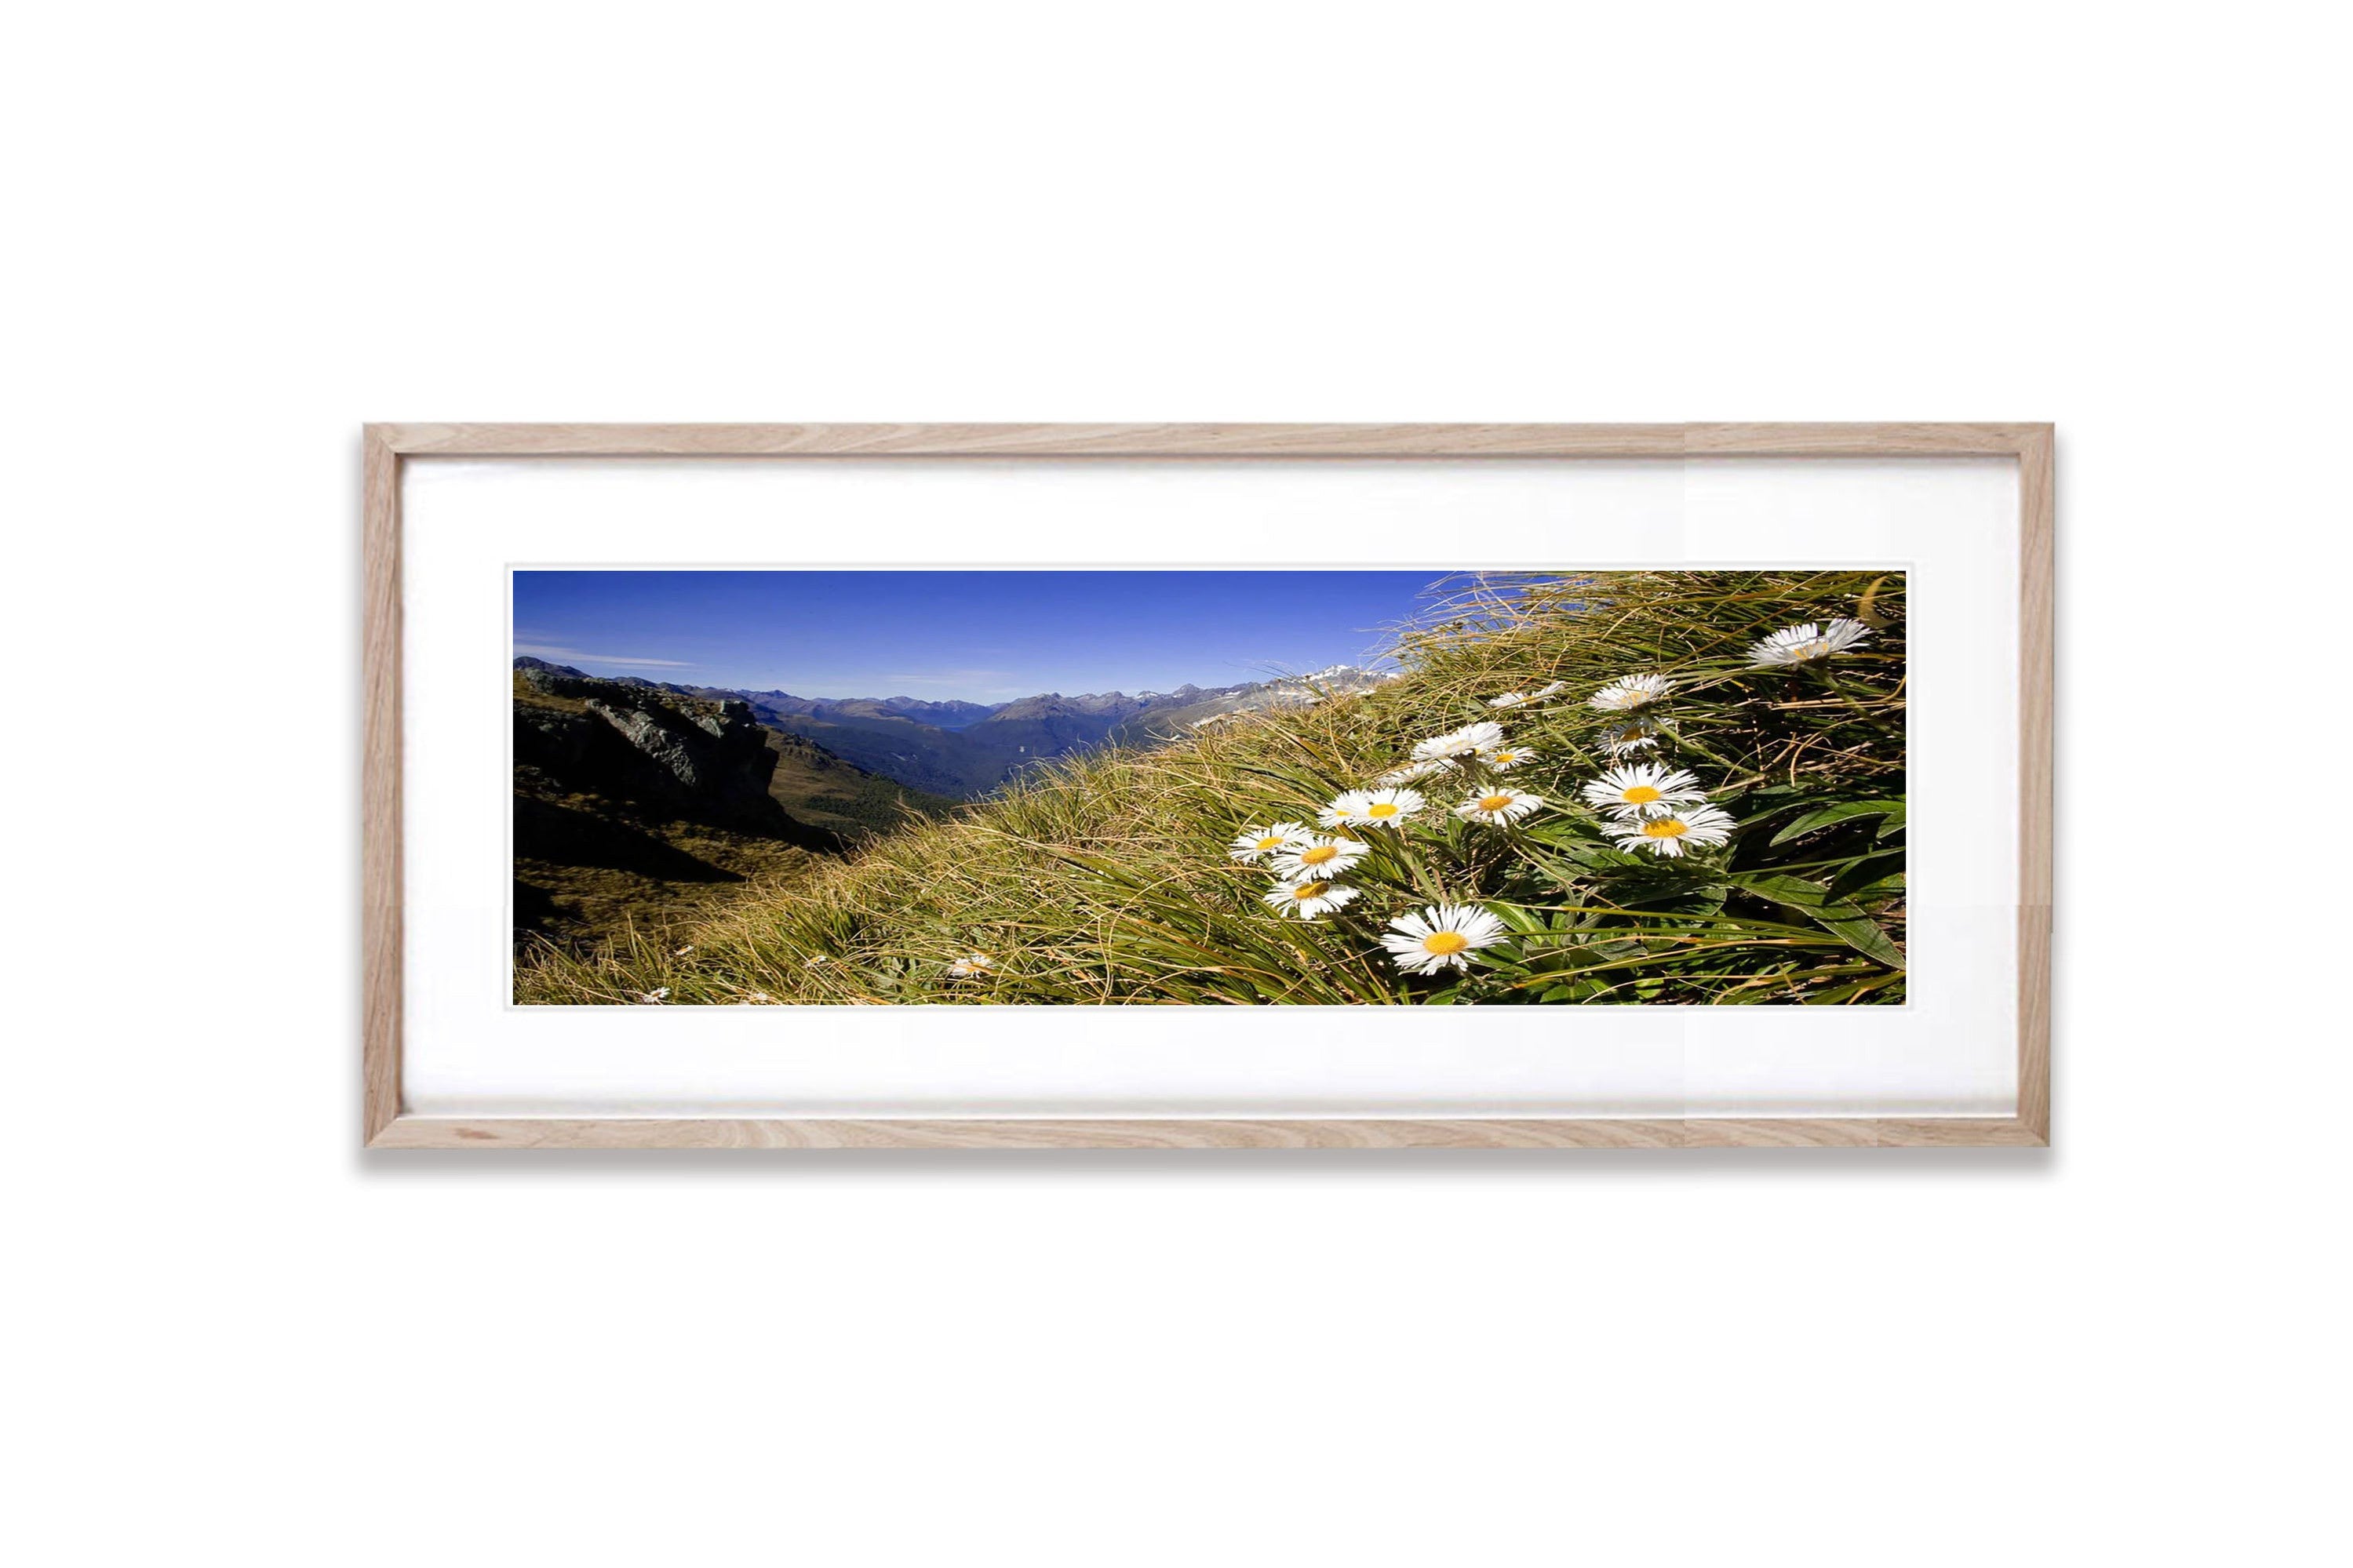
point(637, 803)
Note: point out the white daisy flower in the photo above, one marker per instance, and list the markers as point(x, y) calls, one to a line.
point(1644, 789)
point(1499, 807)
point(1503, 759)
point(655, 997)
point(1632, 735)
point(1412, 773)
point(1462, 743)
point(1309, 900)
point(1688, 827)
point(1629, 692)
point(1441, 936)
point(1253, 844)
point(1390, 808)
point(758, 996)
point(1371, 808)
point(1307, 860)
point(971, 965)
point(1552, 689)
point(1804, 643)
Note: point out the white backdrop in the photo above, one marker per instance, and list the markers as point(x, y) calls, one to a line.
point(1951, 525)
point(241, 229)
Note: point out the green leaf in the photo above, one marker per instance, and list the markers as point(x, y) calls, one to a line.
point(1833, 914)
point(1841, 812)
point(1857, 881)
point(1522, 920)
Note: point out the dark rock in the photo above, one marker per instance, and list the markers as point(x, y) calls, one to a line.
point(694, 758)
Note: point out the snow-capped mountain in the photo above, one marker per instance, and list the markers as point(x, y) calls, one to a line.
point(966, 749)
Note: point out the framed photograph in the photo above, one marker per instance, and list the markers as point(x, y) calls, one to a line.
point(1060, 787)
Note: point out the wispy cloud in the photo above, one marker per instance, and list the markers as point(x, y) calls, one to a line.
point(573, 656)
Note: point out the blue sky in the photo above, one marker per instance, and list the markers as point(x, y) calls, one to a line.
point(981, 637)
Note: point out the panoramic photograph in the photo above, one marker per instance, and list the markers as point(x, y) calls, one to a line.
point(846, 788)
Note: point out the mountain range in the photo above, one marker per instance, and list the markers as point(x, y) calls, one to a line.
point(964, 750)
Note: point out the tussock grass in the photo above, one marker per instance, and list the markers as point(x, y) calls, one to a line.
point(1105, 879)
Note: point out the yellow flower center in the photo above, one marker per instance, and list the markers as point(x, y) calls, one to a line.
point(1272, 841)
point(1665, 827)
point(1639, 795)
point(1318, 854)
point(1443, 942)
point(1381, 808)
point(1306, 890)
point(1494, 802)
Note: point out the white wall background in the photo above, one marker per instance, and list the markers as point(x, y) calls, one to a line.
point(239, 230)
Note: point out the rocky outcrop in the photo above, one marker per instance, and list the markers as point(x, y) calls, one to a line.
point(696, 758)
point(719, 757)
point(558, 679)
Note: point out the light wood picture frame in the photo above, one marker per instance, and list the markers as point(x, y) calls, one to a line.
point(386, 447)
